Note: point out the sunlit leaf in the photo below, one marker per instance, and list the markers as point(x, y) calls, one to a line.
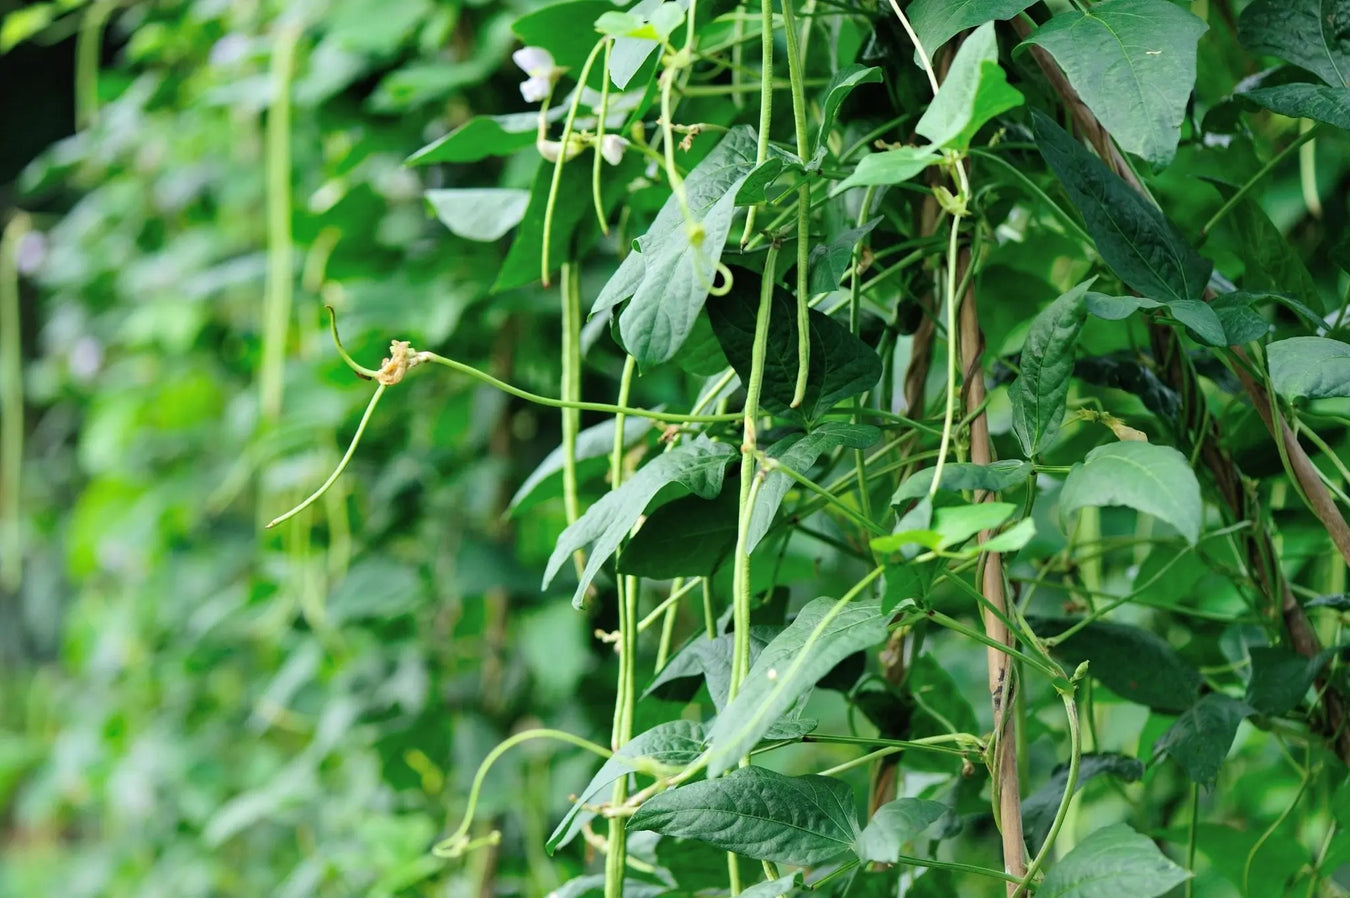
point(1114, 860)
point(1153, 479)
point(974, 91)
point(1309, 367)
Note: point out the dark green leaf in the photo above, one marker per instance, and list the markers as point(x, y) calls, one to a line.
point(974, 91)
point(823, 634)
point(709, 659)
point(1039, 808)
point(1309, 367)
point(1241, 323)
point(894, 826)
point(1125, 372)
point(696, 866)
point(841, 85)
point(595, 442)
point(1201, 737)
point(1309, 33)
point(664, 747)
point(685, 538)
point(1280, 678)
point(567, 30)
point(1202, 321)
point(938, 21)
point(475, 214)
point(1133, 63)
point(701, 354)
point(698, 465)
point(1142, 247)
point(1270, 261)
point(994, 478)
point(798, 820)
point(908, 582)
point(674, 265)
point(1319, 102)
point(1155, 480)
point(1133, 663)
point(798, 453)
point(841, 365)
point(830, 262)
point(1115, 860)
point(1040, 395)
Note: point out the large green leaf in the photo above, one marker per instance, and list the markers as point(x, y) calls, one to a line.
point(1133, 63)
point(1309, 367)
point(479, 214)
point(593, 444)
point(823, 634)
point(841, 85)
point(1137, 665)
point(994, 478)
point(1040, 395)
point(1039, 808)
point(841, 365)
point(798, 820)
point(1319, 102)
point(674, 264)
point(1281, 678)
point(1155, 480)
point(1112, 861)
point(894, 825)
point(686, 538)
point(798, 453)
point(938, 21)
point(1202, 320)
point(709, 659)
point(831, 262)
point(1309, 33)
point(1270, 261)
point(974, 91)
point(698, 465)
point(889, 167)
point(658, 751)
point(481, 137)
point(1142, 247)
point(1201, 737)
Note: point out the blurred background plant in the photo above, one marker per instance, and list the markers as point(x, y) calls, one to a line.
point(191, 706)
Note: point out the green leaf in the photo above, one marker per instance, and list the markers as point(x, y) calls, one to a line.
point(1012, 539)
point(665, 747)
point(798, 453)
point(701, 354)
point(938, 21)
point(890, 167)
point(1309, 367)
point(1309, 33)
point(709, 659)
point(674, 264)
point(1040, 395)
point(686, 538)
point(566, 30)
point(974, 91)
point(1201, 737)
point(993, 478)
point(479, 138)
point(894, 826)
point(593, 886)
point(1039, 808)
point(595, 442)
point(1319, 102)
point(841, 85)
point(1142, 247)
point(798, 820)
point(1202, 319)
point(831, 262)
point(1270, 262)
point(841, 365)
point(1135, 664)
point(775, 888)
point(697, 465)
point(1133, 63)
point(954, 524)
point(910, 581)
point(479, 214)
point(1241, 323)
point(1281, 678)
point(1114, 860)
point(1152, 479)
point(823, 634)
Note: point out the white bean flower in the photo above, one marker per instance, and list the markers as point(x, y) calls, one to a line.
point(551, 150)
point(612, 147)
point(538, 64)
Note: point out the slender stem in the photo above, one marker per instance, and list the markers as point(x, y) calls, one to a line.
point(854, 323)
point(280, 256)
point(740, 589)
point(765, 103)
point(88, 47)
point(11, 407)
point(1070, 787)
point(601, 114)
point(1251, 182)
point(797, 77)
point(830, 499)
point(955, 625)
point(949, 413)
point(564, 154)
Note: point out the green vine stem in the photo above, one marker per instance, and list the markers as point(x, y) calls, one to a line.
point(563, 154)
point(457, 844)
point(765, 103)
point(602, 113)
point(1070, 784)
point(1241, 193)
point(571, 392)
point(280, 287)
point(88, 47)
point(11, 405)
point(740, 590)
point(797, 78)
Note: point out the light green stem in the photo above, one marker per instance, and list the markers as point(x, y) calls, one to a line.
point(797, 77)
point(280, 254)
point(565, 141)
point(602, 113)
point(11, 408)
point(88, 47)
point(1070, 786)
point(765, 103)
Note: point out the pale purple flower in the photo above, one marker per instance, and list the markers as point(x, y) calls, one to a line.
point(612, 147)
